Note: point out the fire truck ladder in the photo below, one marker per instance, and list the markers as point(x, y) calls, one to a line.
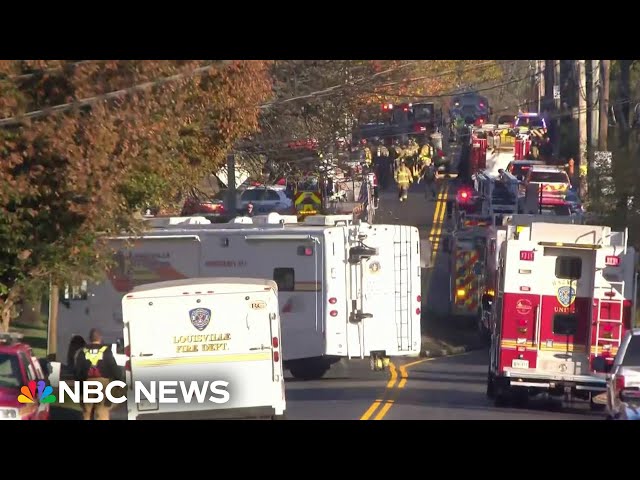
point(402, 289)
point(616, 321)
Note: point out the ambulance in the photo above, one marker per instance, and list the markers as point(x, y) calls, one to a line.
point(218, 338)
point(565, 295)
point(496, 235)
point(346, 289)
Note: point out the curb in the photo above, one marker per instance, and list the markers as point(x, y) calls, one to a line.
point(446, 352)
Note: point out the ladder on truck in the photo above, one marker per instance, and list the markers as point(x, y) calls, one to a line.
point(618, 239)
point(402, 288)
point(616, 342)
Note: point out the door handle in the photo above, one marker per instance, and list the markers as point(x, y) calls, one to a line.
point(146, 355)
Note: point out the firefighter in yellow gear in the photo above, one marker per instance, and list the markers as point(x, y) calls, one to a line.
point(404, 179)
point(368, 156)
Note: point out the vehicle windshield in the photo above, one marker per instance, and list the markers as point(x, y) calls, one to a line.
point(531, 122)
point(423, 112)
point(259, 194)
point(549, 177)
point(518, 169)
point(505, 119)
point(632, 354)
point(9, 371)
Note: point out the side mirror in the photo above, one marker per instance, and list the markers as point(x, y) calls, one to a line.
point(600, 365)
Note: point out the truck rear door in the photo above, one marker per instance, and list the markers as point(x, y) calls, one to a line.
point(383, 288)
point(566, 277)
point(205, 337)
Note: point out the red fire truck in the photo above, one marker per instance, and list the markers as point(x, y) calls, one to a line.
point(468, 248)
point(565, 295)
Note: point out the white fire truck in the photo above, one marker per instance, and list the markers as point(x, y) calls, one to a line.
point(565, 295)
point(346, 289)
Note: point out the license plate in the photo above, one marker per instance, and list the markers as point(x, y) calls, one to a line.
point(520, 364)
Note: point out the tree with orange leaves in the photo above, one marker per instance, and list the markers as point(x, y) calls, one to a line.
point(87, 143)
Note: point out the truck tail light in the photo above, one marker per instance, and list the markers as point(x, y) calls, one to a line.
point(275, 342)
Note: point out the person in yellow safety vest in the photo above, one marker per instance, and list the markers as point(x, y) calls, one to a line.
point(404, 179)
point(426, 154)
point(368, 156)
point(95, 362)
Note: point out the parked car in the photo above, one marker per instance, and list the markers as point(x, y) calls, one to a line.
point(266, 199)
point(209, 206)
point(20, 371)
point(623, 385)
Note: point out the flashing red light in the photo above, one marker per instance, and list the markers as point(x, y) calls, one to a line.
point(481, 104)
point(526, 255)
point(275, 342)
point(612, 260)
point(417, 311)
point(418, 299)
point(333, 313)
point(127, 351)
point(308, 251)
point(333, 300)
point(276, 357)
point(464, 194)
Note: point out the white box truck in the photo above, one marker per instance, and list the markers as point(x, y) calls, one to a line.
point(217, 340)
point(346, 290)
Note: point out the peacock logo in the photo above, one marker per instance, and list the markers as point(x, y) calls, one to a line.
point(28, 393)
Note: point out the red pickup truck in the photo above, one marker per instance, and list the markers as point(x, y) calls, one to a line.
point(18, 369)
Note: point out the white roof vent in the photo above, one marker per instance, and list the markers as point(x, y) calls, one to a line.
point(245, 220)
point(275, 218)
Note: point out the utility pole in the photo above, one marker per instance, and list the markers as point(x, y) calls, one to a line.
point(582, 129)
point(540, 71)
point(604, 105)
point(557, 84)
point(231, 185)
point(593, 108)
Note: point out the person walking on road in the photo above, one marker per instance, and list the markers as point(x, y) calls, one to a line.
point(95, 362)
point(403, 178)
point(428, 174)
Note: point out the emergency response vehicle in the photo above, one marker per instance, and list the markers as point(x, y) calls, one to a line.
point(566, 295)
point(206, 330)
point(346, 289)
point(468, 249)
point(20, 370)
point(496, 235)
point(553, 183)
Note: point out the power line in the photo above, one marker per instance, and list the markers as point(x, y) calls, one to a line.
point(106, 96)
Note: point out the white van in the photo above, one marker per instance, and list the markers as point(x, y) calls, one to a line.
point(204, 330)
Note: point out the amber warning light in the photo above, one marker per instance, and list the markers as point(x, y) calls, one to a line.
point(526, 255)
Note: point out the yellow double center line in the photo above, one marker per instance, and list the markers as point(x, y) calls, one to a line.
point(390, 394)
